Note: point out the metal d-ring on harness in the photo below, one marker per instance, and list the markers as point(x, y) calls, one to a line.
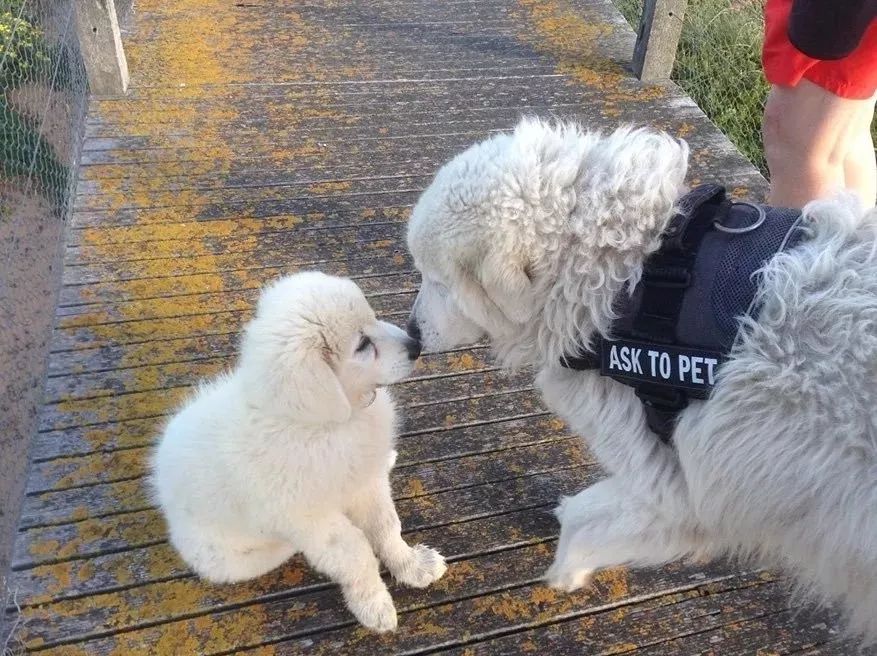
point(762, 217)
point(677, 327)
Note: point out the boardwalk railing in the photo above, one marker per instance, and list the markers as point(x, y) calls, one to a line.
point(100, 42)
point(658, 37)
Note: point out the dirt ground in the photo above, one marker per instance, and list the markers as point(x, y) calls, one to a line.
point(30, 237)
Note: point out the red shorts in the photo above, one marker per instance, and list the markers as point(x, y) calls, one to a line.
point(854, 76)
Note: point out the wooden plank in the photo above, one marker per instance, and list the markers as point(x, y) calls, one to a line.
point(104, 234)
point(142, 145)
point(743, 617)
point(300, 242)
point(191, 304)
point(360, 270)
point(307, 206)
point(91, 312)
point(356, 97)
point(301, 622)
point(147, 375)
point(122, 199)
point(352, 104)
point(174, 327)
point(357, 134)
point(183, 305)
point(308, 254)
point(431, 126)
point(157, 403)
point(772, 632)
point(493, 599)
point(53, 512)
point(477, 509)
point(66, 445)
point(393, 114)
point(706, 157)
point(308, 611)
point(107, 466)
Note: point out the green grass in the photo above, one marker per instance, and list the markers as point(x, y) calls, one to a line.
point(21, 40)
point(718, 64)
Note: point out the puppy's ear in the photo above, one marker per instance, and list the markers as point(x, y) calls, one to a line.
point(316, 390)
point(507, 284)
point(291, 378)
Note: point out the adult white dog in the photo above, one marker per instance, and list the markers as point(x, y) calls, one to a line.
point(292, 450)
point(529, 237)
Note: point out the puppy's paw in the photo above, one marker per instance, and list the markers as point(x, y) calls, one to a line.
point(422, 567)
point(374, 611)
point(568, 579)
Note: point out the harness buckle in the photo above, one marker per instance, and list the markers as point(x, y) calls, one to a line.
point(667, 399)
point(662, 409)
point(667, 277)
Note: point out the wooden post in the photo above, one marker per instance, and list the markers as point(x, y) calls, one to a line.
point(659, 31)
point(101, 45)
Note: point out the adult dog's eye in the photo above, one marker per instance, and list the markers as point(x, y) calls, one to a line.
point(364, 343)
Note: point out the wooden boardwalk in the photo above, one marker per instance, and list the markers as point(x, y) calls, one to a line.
point(265, 136)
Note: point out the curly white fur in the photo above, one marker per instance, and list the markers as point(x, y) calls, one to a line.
point(291, 452)
point(529, 236)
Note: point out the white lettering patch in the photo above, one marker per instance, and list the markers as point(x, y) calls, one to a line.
point(665, 365)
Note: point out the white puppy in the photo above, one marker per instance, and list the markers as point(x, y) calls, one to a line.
point(528, 237)
point(291, 451)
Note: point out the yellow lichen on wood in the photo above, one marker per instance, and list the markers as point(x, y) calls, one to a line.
point(616, 583)
point(414, 488)
point(572, 38)
point(505, 605)
point(132, 528)
point(94, 468)
point(137, 405)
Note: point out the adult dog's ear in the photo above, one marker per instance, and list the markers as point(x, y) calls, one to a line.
point(508, 285)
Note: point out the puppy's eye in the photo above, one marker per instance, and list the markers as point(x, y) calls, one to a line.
point(364, 344)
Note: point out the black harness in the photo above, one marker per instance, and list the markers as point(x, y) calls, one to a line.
point(678, 326)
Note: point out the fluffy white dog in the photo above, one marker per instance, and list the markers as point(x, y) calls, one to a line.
point(528, 237)
point(291, 451)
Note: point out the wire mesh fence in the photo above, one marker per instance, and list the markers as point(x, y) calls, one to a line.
point(42, 103)
point(43, 95)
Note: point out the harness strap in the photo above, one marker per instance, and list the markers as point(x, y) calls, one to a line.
point(662, 405)
point(675, 329)
point(667, 273)
point(666, 276)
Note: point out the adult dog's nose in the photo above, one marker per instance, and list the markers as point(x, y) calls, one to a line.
point(413, 329)
point(413, 347)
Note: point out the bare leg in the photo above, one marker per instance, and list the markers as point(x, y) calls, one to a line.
point(860, 169)
point(809, 134)
point(374, 512)
point(338, 549)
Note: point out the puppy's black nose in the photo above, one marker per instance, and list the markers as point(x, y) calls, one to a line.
point(413, 329)
point(413, 347)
